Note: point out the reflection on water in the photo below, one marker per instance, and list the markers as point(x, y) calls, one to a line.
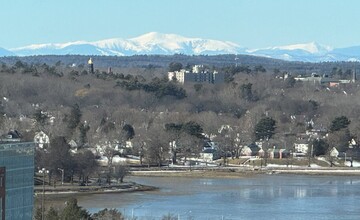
point(300, 192)
point(261, 197)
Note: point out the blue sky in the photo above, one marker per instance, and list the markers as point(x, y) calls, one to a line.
point(249, 23)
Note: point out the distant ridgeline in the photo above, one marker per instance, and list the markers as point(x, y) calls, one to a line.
point(153, 61)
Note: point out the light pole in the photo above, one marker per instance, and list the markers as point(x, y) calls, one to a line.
point(309, 157)
point(266, 150)
point(43, 171)
point(310, 151)
point(62, 176)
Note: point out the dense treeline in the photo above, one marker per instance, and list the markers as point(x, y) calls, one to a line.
point(162, 61)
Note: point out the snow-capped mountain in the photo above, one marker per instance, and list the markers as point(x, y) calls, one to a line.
point(168, 44)
point(312, 47)
point(309, 52)
point(151, 43)
point(297, 52)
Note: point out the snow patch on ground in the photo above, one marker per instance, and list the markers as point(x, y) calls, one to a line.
point(355, 163)
point(278, 165)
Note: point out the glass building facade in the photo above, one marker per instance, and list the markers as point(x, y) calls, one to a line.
point(16, 180)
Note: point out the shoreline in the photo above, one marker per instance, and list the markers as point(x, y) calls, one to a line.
point(243, 172)
point(225, 172)
point(71, 190)
point(329, 172)
point(218, 173)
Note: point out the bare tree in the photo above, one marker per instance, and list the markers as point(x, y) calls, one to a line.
point(157, 146)
point(85, 165)
point(120, 171)
point(139, 146)
point(189, 146)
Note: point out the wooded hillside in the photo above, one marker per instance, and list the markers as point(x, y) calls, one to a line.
point(37, 96)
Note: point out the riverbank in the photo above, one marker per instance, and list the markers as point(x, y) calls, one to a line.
point(69, 190)
point(217, 172)
point(243, 172)
point(210, 173)
point(332, 172)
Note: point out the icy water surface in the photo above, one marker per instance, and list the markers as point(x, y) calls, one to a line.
point(259, 197)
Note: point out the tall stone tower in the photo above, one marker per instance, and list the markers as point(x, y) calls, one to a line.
point(354, 76)
point(90, 66)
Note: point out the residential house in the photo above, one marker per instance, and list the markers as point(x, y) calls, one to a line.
point(73, 146)
point(11, 136)
point(278, 153)
point(334, 152)
point(41, 140)
point(246, 151)
point(209, 155)
point(300, 149)
point(352, 143)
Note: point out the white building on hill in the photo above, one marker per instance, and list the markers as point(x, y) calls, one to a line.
point(198, 75)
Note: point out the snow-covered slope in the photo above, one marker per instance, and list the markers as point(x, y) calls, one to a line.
point(151, 43)
point(168, 44)
point(301, 52)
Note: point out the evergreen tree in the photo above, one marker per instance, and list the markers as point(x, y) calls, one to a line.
point(320, 147)
point(74, 117)
point(74, 212)
point(175, 67)
point(265, 128)
point(339, 123)
point(52, 214)
point(108, 214)
point(129, 131)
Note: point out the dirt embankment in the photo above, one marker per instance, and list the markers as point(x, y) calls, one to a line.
point(240, 172)
point(74, 189)
point(210, 173)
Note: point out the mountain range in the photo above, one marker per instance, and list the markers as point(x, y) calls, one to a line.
point(167, 44)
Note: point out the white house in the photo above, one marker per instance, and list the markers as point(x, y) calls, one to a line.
point(41, 140)
point(334, 152)
point(301, 149)
point(246, 151)
point(209, 155)
point(73, 146)
point(352, 143)
point(128, 144)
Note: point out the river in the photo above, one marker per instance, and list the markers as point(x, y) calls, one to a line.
point(257, 197)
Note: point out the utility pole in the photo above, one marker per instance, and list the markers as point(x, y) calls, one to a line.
point(310, 153)
point(44, 172)
point(62, 176)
